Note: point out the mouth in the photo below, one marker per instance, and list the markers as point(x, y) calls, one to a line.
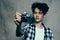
point(37, 18)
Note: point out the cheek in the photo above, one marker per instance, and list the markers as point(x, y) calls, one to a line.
point(34, 16)
point(41, 17)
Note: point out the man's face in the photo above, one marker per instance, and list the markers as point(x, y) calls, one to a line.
point(38, 15)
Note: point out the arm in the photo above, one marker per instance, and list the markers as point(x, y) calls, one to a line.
point(17, 21)
point(52, 37)
point(19, 31)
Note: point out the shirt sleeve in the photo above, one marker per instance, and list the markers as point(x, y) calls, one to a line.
point(51, 37)
point(19, 31)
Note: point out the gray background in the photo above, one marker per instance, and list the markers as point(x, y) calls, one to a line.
point(9, 7)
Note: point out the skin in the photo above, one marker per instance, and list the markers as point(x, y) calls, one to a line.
point(17, 17)
point(38, 16)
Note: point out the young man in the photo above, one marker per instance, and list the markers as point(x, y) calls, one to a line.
point(36, 30)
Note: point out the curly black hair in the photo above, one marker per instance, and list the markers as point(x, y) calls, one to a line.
point(41, 6)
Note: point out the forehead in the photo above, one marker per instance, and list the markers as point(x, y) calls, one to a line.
point(37, 10)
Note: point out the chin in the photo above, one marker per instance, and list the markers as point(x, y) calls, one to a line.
point(37, 21)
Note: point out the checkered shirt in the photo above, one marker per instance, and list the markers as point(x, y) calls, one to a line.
point(29, 32)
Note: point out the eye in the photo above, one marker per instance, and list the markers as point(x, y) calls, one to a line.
point(35, 12)
point(40, 12)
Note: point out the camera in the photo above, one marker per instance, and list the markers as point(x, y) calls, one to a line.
point(26, 17)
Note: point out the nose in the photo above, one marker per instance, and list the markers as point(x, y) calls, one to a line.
point(37, 15)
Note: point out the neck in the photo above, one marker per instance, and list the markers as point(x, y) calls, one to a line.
point(39, 25)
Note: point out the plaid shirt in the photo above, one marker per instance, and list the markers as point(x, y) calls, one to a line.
point(29, 32)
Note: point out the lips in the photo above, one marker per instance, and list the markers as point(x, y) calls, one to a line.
point(37, 18)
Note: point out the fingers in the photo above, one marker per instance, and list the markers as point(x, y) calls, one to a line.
point(16, 21)
point(18, 14)
point(17, 18)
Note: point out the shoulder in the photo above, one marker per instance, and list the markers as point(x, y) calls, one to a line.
point(48, 29)
point(27, 26)
point(49, 32)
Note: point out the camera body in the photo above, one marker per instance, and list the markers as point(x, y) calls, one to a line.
point(26, 17)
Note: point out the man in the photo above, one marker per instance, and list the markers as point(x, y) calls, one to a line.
point(36, 30)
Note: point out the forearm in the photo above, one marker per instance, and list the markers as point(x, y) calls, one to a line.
point(19, 31)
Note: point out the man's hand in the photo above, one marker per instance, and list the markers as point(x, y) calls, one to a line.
point(17, 18)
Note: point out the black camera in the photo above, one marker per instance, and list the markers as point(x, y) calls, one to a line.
point(26, 17)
